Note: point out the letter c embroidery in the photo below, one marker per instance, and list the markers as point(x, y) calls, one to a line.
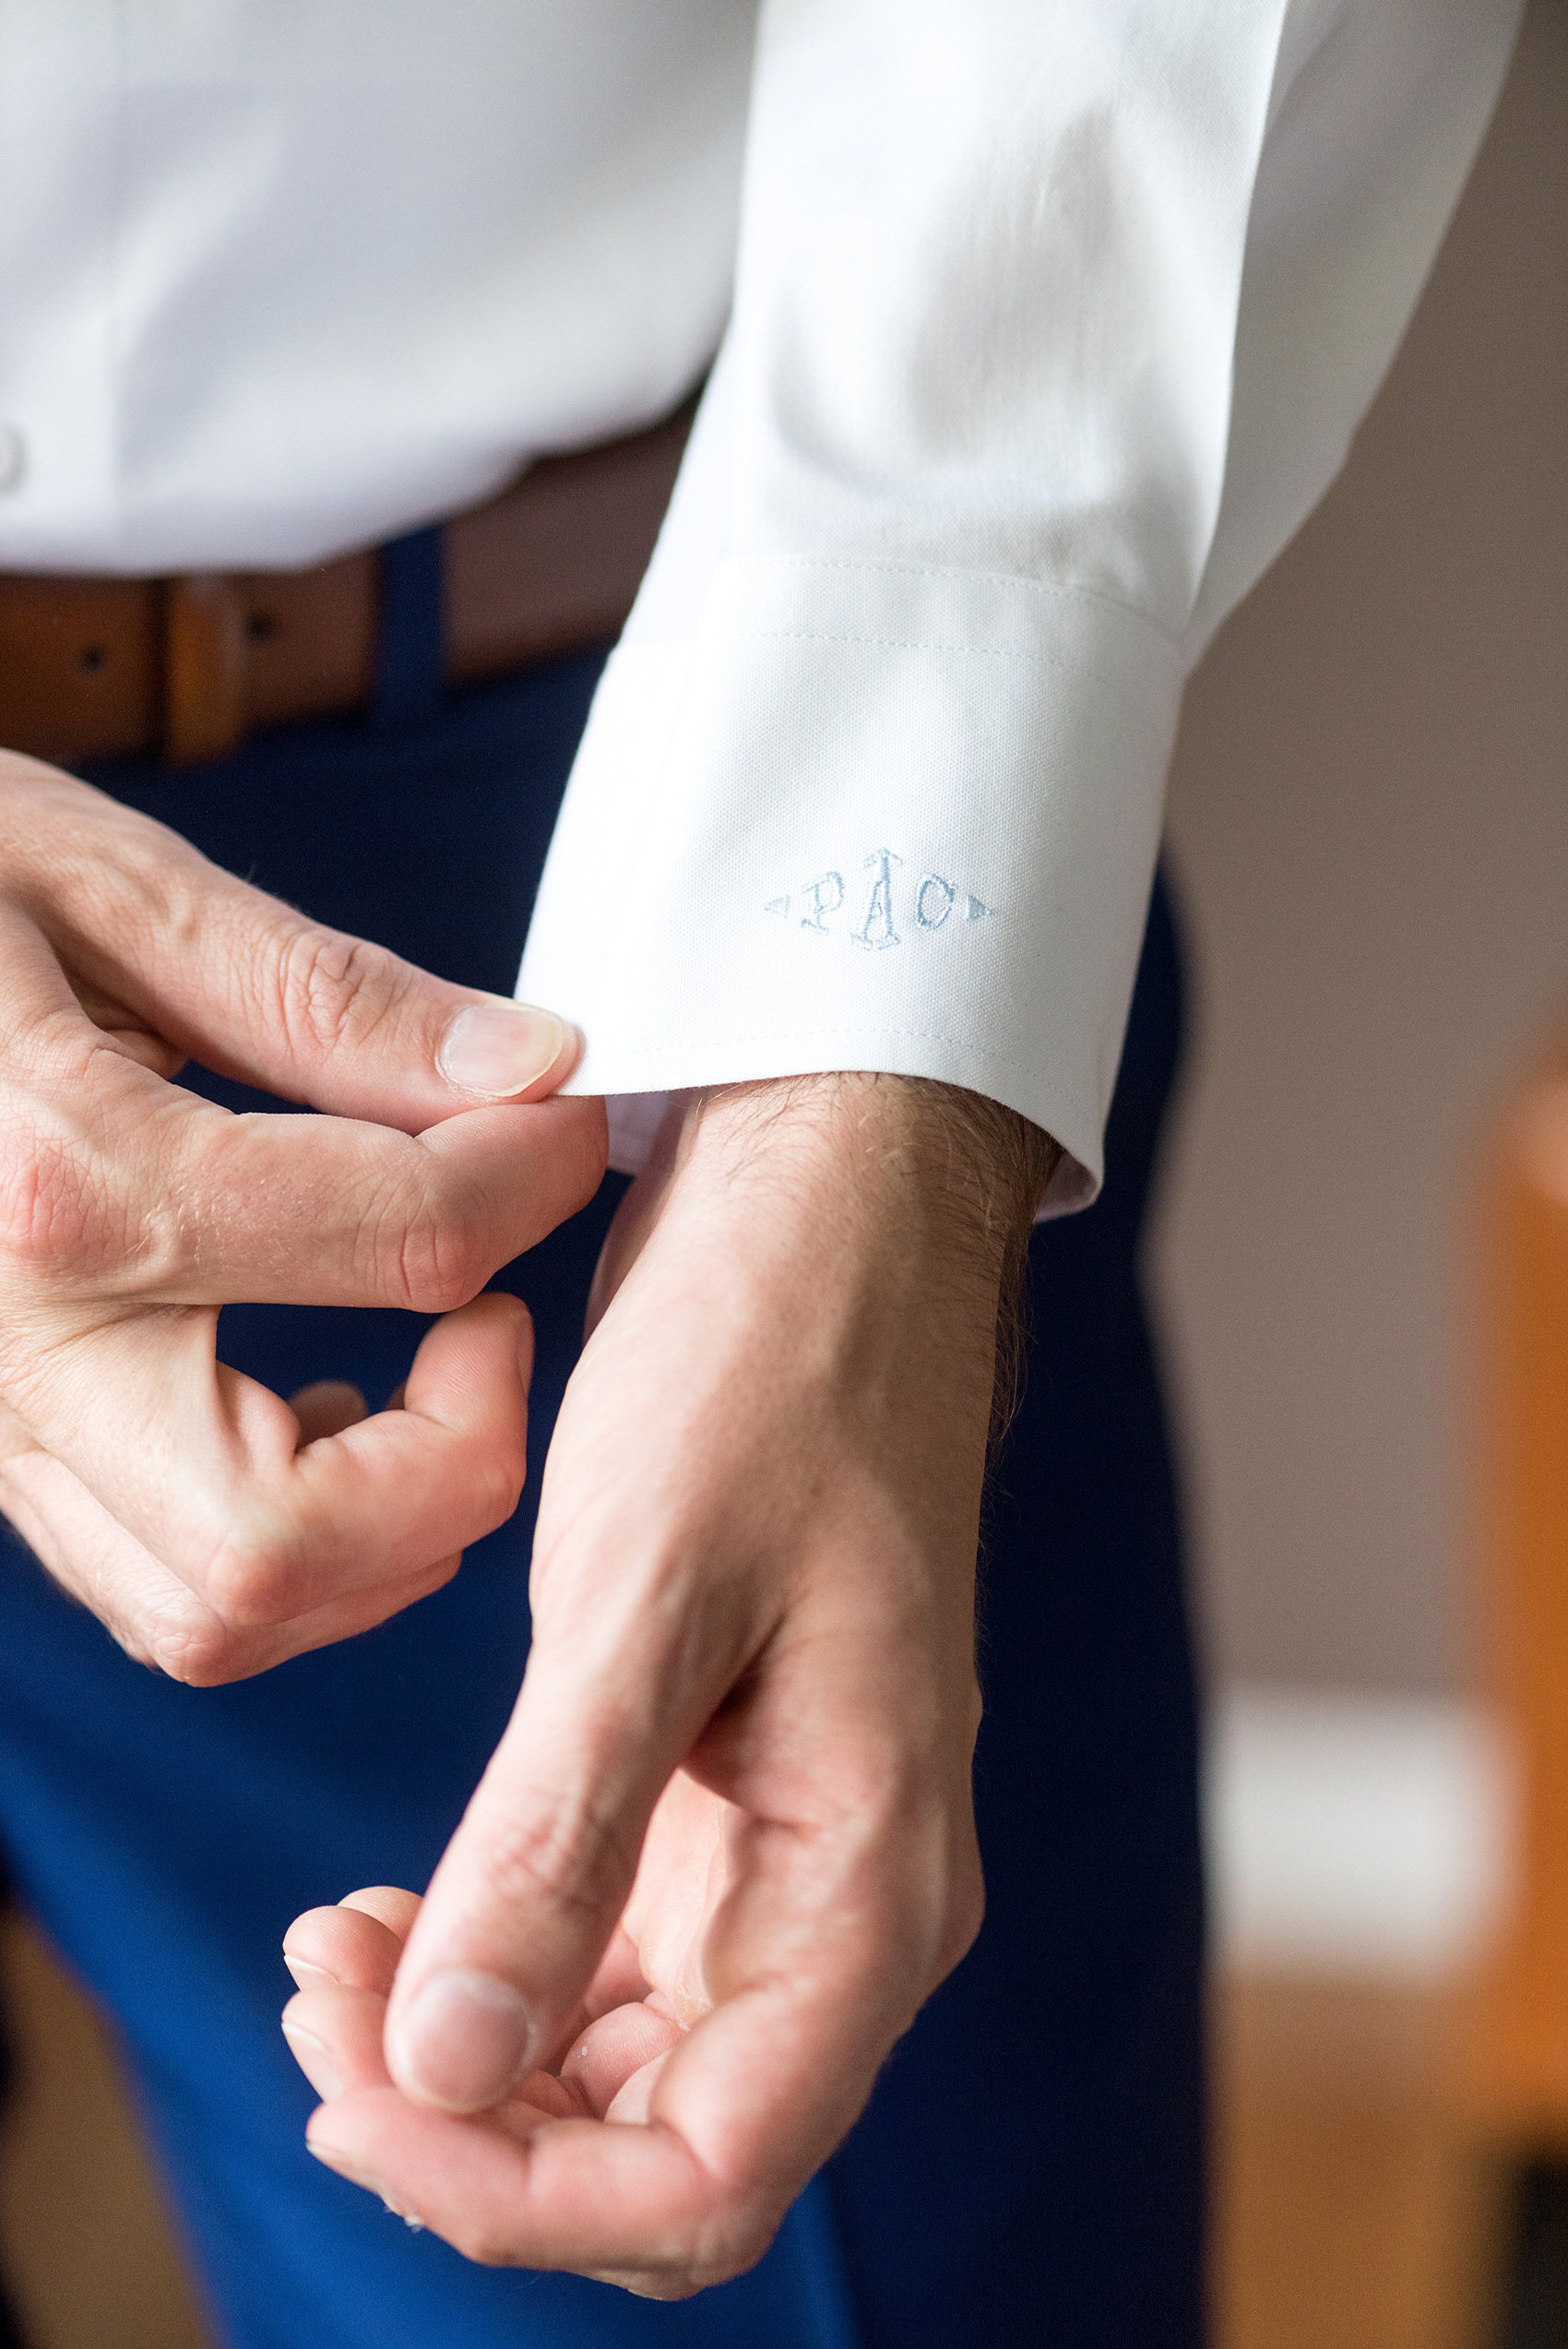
point(934, 902)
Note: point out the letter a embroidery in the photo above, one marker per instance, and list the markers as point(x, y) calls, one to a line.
point(876, 930)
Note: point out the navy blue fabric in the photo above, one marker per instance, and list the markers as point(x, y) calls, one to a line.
point(1030, 2169)
point(410, 685)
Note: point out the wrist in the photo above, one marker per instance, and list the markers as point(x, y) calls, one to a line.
point(924, 1190)
point(937, 1158)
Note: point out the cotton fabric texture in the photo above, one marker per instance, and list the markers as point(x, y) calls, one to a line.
point(1050, 321)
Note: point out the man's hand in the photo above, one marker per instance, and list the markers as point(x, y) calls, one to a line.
point(726, 1847)
point(213, 1528)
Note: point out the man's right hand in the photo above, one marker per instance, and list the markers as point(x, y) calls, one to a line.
point(215, 1529)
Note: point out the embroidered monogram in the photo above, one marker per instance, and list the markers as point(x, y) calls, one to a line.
point(876, 928)
point(826, 895)
point(932, 902)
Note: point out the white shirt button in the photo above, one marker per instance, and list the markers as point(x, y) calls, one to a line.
point(13, 458)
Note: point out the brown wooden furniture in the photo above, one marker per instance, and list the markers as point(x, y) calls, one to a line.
point(1514, 2039)
point(1515, 2065)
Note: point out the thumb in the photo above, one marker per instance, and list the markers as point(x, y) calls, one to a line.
point(521, 1908)
point(252, 989)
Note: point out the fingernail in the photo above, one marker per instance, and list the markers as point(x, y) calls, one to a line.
point(312, 2055)
point(463, 2041)
point(499, 1049)
point(306, 1976)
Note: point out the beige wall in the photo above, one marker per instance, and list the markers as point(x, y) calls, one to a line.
point(1370, 820)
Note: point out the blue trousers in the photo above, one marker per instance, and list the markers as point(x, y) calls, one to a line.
point(1028, 2171)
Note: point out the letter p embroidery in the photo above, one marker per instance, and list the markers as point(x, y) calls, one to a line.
point(826, 895)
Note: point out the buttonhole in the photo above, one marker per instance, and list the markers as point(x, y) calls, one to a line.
point(92, 657)
point(259, 625)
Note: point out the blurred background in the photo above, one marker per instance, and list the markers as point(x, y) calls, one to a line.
point(1369, 834)
point(1369, 825)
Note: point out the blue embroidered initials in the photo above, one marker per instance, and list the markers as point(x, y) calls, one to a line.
point(827, 896)
point(876, 930)
point(934, 902)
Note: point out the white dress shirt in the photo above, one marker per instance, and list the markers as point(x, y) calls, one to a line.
point(1051, 319)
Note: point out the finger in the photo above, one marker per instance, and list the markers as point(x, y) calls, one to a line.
point(265, 1530)
point(156, 1618)
point(355, 1214)
point(116, 1184)
point(326, 1407)
point(127, 1034)
point(836, 1924)
point(389, 1904)
point(606, 2054)
point(334, 2030)
point(632, 2105)
point(619, 1979)
point(817, 1964)
point(344, 1945)
point(258, 991)
point(335, 2034)
point(147, 1051)
point(627, 2204)
point(822, 1953)
point(522, 1906)
point(356, 1947)
point(121, 1188)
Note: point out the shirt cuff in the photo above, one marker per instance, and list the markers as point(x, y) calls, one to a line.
point(874, 816)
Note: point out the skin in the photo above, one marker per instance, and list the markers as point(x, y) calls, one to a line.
point(726, 1847)
point(213, 1528)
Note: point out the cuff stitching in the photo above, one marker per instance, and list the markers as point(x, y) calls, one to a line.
point(751, 1035)
point(1057, 593)
point(920, 644)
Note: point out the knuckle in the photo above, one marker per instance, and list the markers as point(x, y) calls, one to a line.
point(51, 1219)
point(333, 991)
point(562, 1856)
point(434, 1255)
point(186, 1643)
point(63, 1217)
point(250, 1580)
point(486, 2245)
point(92, 1196)
point(694, 2258)
point(732, 2240)
point(200, 1659)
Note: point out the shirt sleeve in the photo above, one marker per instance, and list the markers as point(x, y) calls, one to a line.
point(1052, 319)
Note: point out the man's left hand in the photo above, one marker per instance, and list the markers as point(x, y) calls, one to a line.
point(726, 1848)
